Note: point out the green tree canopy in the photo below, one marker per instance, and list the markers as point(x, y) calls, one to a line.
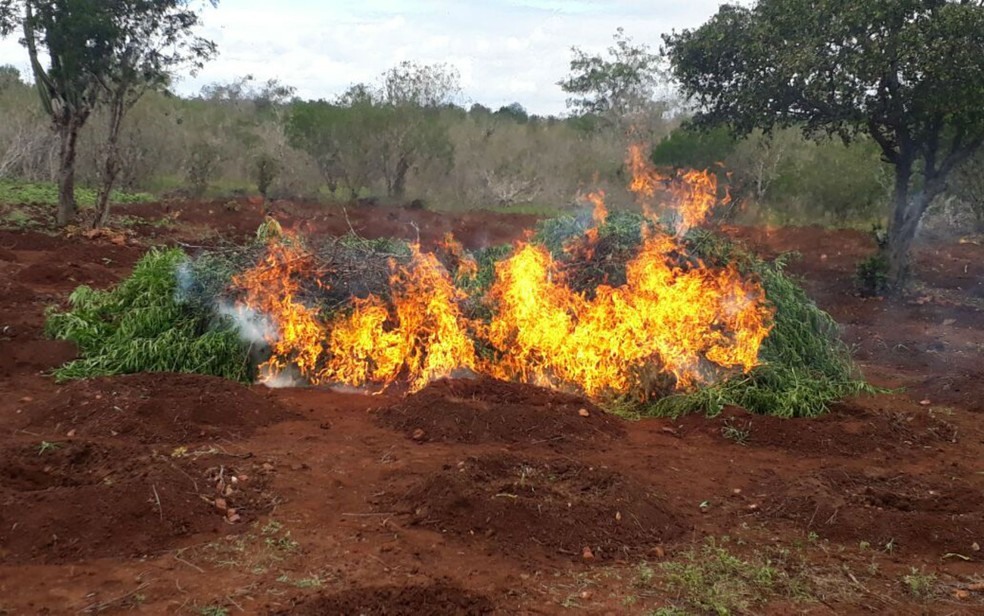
point(99, 50)
point(615, 85)
point(909, 73)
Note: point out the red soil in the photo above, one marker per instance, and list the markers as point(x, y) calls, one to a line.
point(490, 508)
point(155, 408)
point(484, 410)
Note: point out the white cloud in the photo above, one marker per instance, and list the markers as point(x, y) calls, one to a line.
point(506, 50)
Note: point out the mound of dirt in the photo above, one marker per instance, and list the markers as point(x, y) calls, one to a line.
point(439, 599)
point(67, 501)
point(485, 410)
point(930, 515)
point(847, 431)
point(559, 506)
point(156, 408)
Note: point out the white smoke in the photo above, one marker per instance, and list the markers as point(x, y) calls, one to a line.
point(254, 327)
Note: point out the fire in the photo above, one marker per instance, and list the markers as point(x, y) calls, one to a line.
point(421, 338)
point(272, 289)
point(690, 323)
point(675, 318)
point(599, 215)
point(418, 335)
point(694, 193)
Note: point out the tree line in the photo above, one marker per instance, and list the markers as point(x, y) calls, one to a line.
point(897, 83)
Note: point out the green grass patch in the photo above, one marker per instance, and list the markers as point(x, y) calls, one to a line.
point(14, 192)
point(710, 579)
point(145, 325)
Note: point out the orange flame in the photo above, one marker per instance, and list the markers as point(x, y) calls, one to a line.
point(694, 193)
point(689, 323)
point(271, 289)
point(420, 337)
point(674, 315)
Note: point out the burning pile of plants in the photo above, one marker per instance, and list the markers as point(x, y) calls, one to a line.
point(642, 309)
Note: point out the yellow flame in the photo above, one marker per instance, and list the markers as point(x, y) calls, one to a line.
point(674, 314)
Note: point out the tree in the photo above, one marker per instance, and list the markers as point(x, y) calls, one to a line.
point(9, 77)
point(909, 73)
point(92, 47)
point(613, 87)
point(343, 138)
point(515, 112)
point(417, 94)
point(151, 38)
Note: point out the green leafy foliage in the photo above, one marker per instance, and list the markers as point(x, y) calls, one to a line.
point(805, 365)
point(614, 85)
point(46, 193)
point(906, 73)
point(872, 276)
point(693, 148)
point(143, 325)
point(162, 317)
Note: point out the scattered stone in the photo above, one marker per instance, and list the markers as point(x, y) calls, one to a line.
point(267, 467)
point(961, 594)
point(585, 594)
point(71, 433)
point(618, 516)
point(584, 413)
point(587, 554)
point(925, 402)
point(976, 547)
point(658, 552)
point(419, 434)
point(221, 505)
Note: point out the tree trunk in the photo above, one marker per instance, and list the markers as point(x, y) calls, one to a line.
point(111, 163)
point(907, 211)
point(68, 133)
point(399, 189)
point(110, 172)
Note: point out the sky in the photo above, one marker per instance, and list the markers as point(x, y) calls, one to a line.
point(505, 50)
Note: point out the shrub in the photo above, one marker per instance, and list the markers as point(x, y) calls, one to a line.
point(266, 168)
point(872, 275)
point(202, 165)
point(145, 325)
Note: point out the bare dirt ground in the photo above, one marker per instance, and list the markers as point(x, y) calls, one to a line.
point(190, 495)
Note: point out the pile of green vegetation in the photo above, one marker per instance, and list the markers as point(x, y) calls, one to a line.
point(163, 318)
point(805, 365)
point(145, 325)
point(46, 193)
